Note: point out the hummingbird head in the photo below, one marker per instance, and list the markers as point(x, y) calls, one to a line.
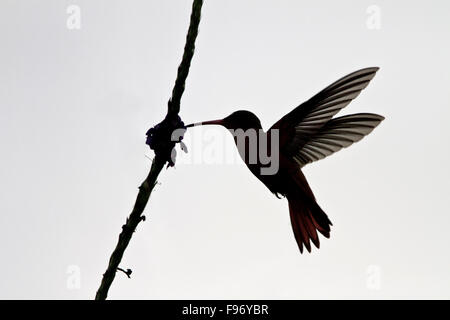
point(241, 119)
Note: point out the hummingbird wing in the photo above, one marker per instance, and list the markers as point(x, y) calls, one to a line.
point(336, 134)
point(301, 124)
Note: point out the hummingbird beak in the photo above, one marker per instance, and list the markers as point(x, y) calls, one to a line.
point(218, 122)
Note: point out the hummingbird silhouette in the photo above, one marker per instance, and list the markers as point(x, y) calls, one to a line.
point(307, 134)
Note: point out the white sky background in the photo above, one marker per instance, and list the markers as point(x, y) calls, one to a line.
point(75, 106)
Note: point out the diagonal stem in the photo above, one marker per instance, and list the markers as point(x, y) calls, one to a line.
point(149, 183)
point(183, 69)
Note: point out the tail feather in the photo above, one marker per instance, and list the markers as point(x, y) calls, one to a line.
point(307, 218)
point(297, 231)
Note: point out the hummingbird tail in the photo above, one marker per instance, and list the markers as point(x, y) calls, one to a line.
point(307, 218)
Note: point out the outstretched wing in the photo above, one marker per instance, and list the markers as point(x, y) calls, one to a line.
point(298, 126)
point(336, 134)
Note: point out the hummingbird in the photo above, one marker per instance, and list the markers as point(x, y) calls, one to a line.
point(308, 133)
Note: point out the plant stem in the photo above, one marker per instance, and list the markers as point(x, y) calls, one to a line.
point(158, 163)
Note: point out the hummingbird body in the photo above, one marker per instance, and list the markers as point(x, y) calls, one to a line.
point(306, 134)
point(286, 167)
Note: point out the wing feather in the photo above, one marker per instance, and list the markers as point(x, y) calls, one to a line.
point(298, 126)
point(336, 134)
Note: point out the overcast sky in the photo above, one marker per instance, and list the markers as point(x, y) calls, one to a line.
point(75, 104)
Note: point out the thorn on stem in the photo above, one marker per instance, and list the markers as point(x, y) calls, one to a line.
point(127, 272)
